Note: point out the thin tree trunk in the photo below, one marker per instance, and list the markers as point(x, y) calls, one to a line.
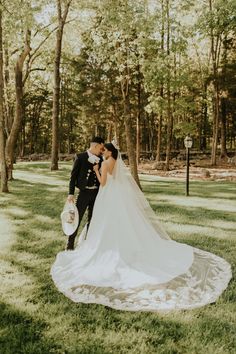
point(216, 110)
point(7, 112)
point(138, 128)
point(110, 131)
point(204, 118)
point(215, 123)
point(128, 119)
point(71, 125)
point(169, 113)
point(129, 140)
point(159, 132)
point(128, 129)
point(116, 124)
point(23, 140)
point(223, 128)
point(56, 102)
point(138, 138)
point(224, 105)
point(4, 184)
point(57, 80)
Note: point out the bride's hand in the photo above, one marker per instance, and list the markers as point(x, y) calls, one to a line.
point(96, 168)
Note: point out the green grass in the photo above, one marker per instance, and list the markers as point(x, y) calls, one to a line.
point(36, 318)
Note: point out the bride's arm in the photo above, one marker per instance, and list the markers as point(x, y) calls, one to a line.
point(103, 177)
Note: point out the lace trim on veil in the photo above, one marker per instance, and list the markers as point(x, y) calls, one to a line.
point(190, 290)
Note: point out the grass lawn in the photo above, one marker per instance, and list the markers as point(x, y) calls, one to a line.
point(36, 318)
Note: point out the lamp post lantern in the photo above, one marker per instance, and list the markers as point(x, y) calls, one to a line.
point(188, 142)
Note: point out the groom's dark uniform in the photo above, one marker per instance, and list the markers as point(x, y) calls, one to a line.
point(84, 178)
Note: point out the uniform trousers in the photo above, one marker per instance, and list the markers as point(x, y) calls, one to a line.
point(85, 200)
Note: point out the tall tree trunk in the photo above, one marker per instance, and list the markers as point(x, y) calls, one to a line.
point(159, 132)
point(127, 118)
point(128, 128)
point(223, 115)
point(223, 128)
point(117, 133)
point(216, 109)
point(159, 137)
point(138, 129)
point(169, 113)
point(3, 172)
point(215, 123)
point(70, 131)
point(23, 140)
point(7, 112)
point(56, 102)
point(129, 140)
point(16, 126)
point(204, 118)
point(57, 80)
point(110, 131)
point(116, 124)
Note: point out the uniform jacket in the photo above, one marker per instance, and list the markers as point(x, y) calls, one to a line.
point(82, 173)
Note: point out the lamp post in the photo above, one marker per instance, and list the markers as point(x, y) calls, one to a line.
point(188, 142)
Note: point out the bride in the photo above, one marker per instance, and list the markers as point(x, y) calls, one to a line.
point(127, 261)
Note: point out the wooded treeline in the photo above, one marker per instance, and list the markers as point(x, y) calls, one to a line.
point(147, 72)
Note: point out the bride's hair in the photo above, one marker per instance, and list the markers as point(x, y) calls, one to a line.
point(110, 147)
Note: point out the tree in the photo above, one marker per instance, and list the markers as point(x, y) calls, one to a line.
point(22, 49)
point(4, 184)
point(61, 15)
point(216, 23)
point(138, 71)
point(166, 72)
point(19, 85)
point(116, 34)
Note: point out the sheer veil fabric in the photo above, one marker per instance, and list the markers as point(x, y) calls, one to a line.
point(128, 262)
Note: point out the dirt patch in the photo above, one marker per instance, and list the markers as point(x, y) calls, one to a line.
point(195, 172)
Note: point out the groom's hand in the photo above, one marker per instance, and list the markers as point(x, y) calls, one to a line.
point(71, 198)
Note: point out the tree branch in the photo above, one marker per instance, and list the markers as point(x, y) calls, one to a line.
point(66, 11)
point(15, 51)
point(25, 51)
point(59, 10)
point(30, 71)
point(43, 28)
point(43, 41)
point(5, 8)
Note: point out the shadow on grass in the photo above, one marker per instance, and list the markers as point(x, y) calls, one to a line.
point(20, 333)
point(94, 328)
point(198, 215)
point(90, 328)
point(201, 189)
point(38, 200)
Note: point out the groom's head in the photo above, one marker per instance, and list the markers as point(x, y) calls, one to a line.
point(97, 145)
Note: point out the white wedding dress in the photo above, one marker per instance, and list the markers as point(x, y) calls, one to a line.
point(128, 262)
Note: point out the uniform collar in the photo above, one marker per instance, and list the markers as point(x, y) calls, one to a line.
point(90, 154)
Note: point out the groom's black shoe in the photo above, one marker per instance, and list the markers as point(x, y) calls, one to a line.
point(70, 243)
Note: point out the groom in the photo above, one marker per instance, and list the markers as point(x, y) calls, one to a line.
point(84, 178)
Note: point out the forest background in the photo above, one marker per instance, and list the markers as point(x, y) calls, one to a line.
point(146, 72)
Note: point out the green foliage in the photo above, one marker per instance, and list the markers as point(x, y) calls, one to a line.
point(113, 44)
point(184, 128)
